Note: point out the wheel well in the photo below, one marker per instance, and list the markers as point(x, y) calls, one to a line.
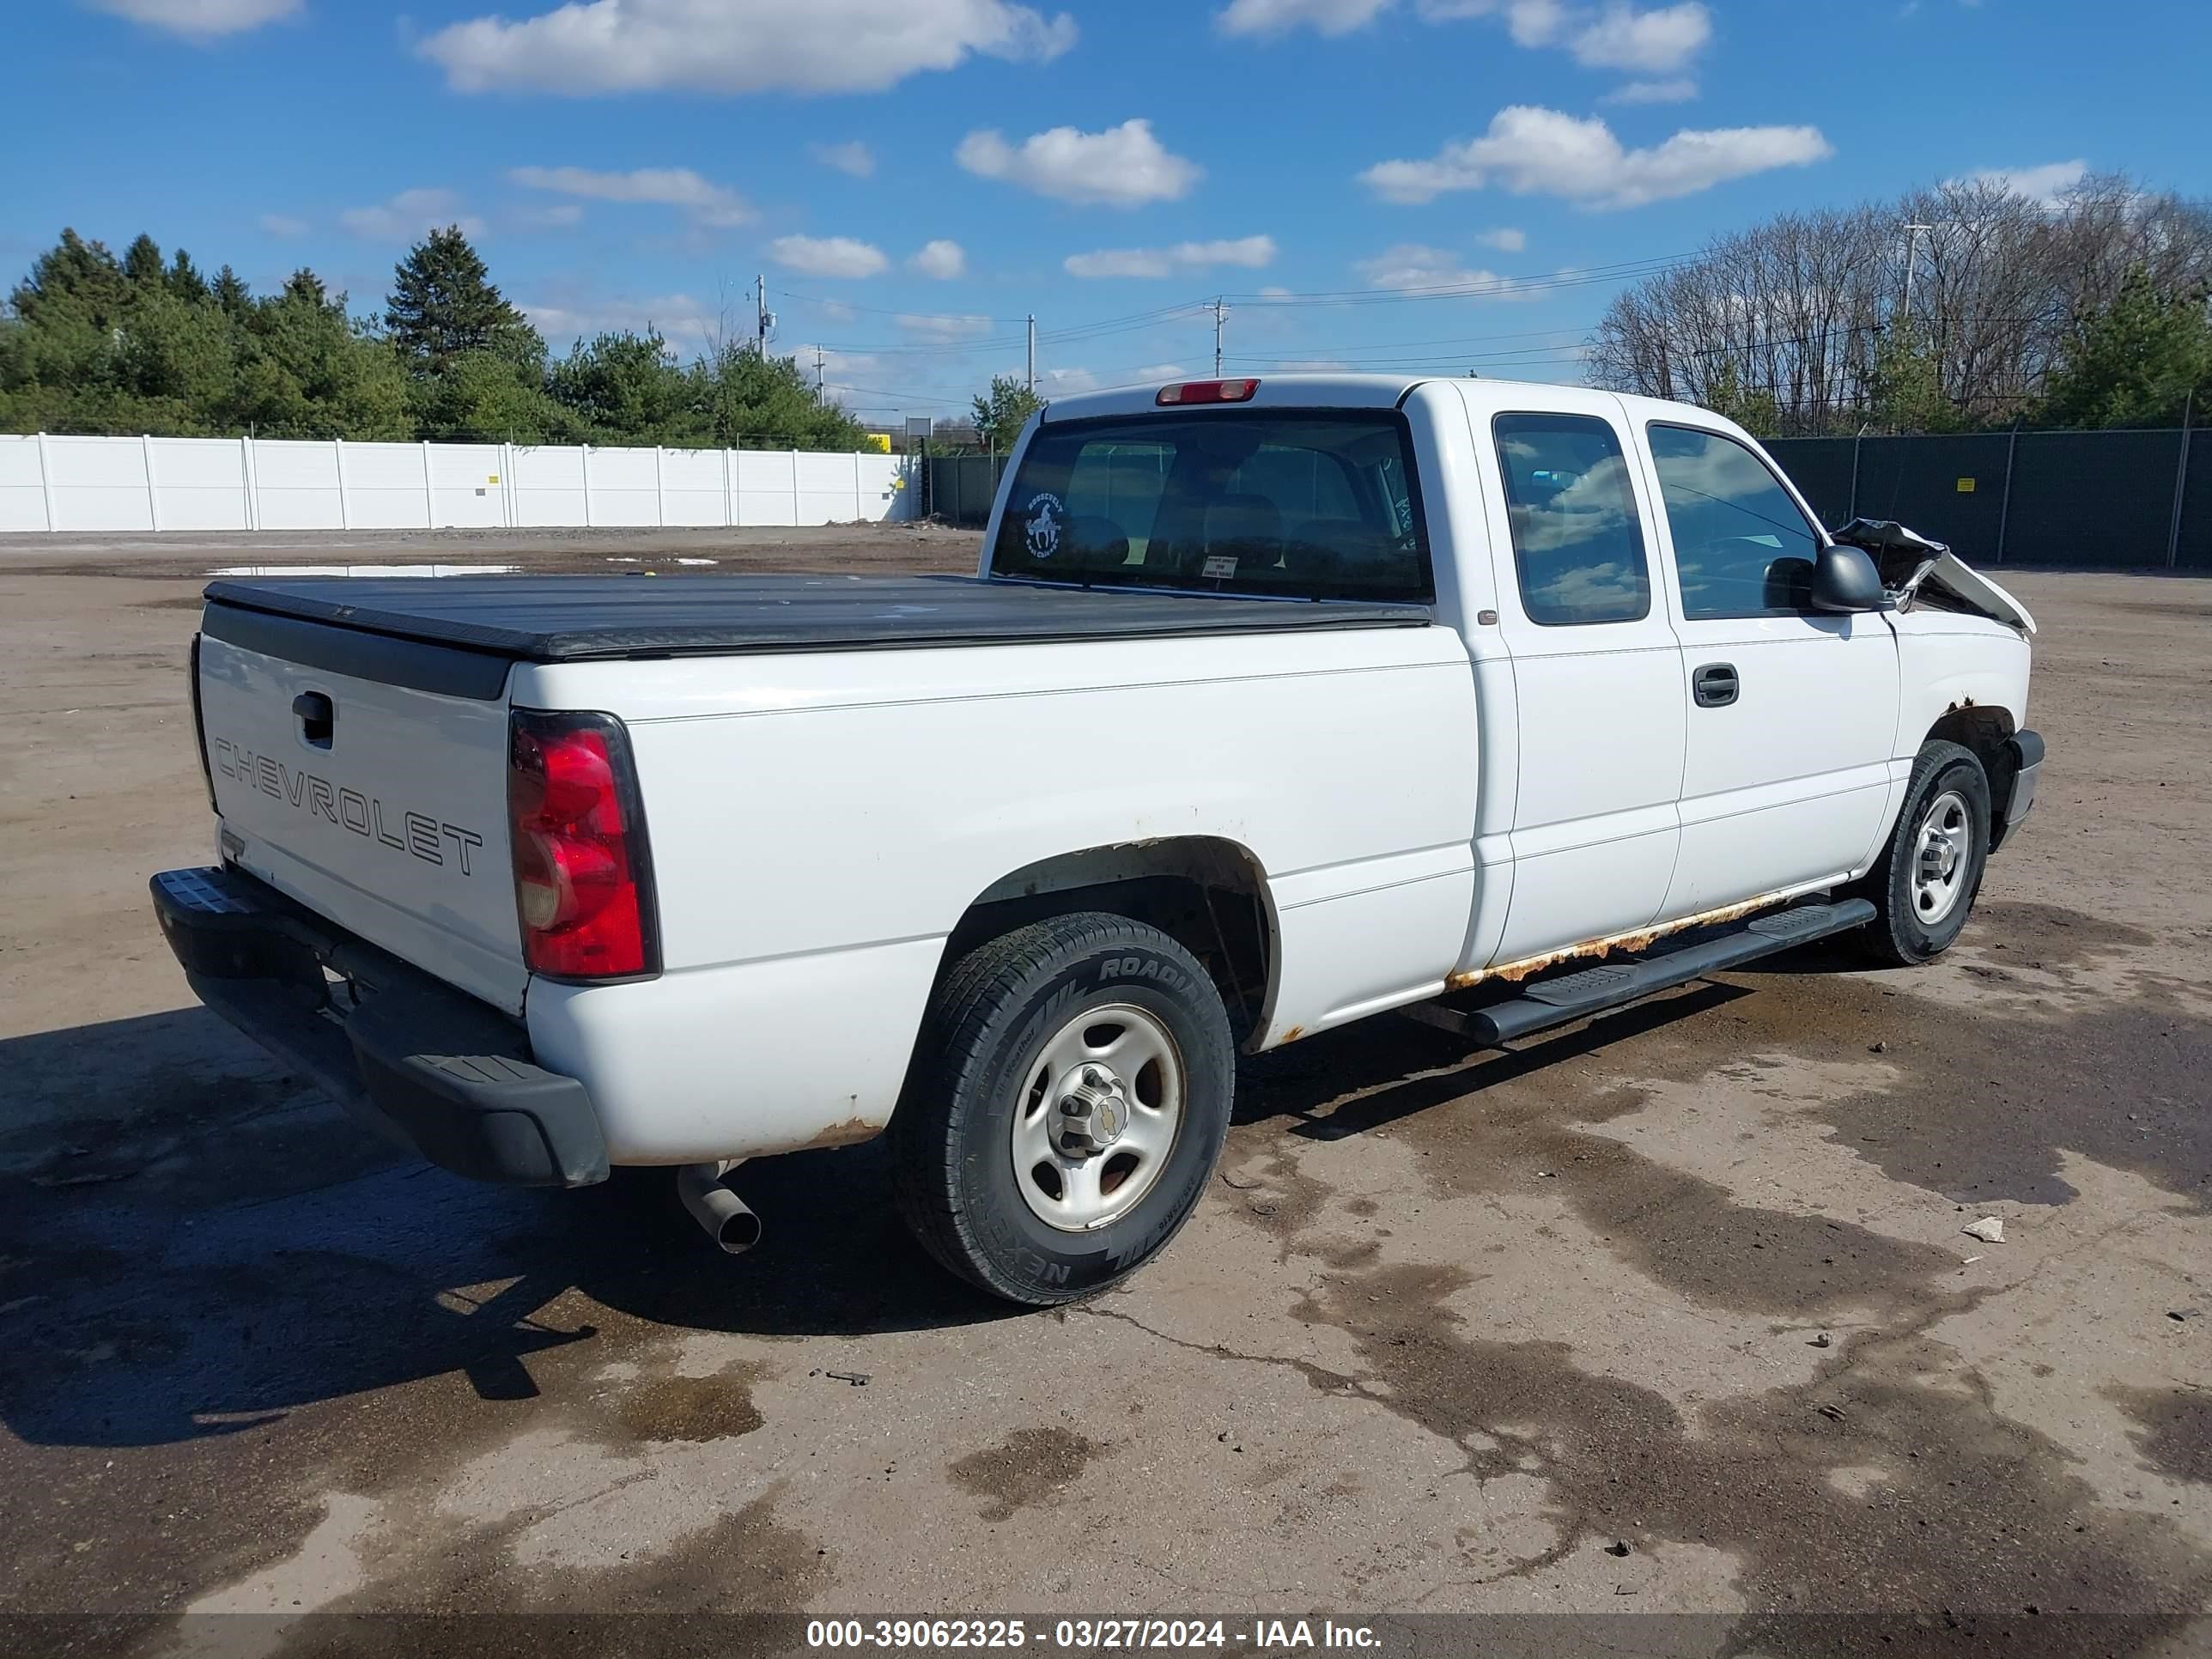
point(1207, 895)
point(1987, 732)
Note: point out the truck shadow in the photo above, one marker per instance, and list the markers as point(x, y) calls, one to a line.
point(193, 1243)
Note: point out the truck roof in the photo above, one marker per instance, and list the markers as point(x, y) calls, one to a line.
point(1305, 391)
point(578, 618)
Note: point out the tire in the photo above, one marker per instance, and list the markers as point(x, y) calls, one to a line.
point(1921, 911)
point(1017, 1032)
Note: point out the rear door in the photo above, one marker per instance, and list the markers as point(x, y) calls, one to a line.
point(1792, 712)
point(1596, 667)
point(367, 778)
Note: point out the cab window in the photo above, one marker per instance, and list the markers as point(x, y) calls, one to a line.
point(1577, 543)
point(1742, 546)
point(1310, 504)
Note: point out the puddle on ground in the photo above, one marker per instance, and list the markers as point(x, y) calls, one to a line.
point(1029, 1466)
point(715, 1407)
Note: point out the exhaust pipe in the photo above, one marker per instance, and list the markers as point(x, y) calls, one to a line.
point(727, 1218)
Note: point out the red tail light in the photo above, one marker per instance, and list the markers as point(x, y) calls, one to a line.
point(1207, 392)
point(582, 875)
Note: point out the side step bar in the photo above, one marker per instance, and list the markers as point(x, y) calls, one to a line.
point(1576, 996)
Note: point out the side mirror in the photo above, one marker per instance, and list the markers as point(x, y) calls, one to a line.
point(1844, 578)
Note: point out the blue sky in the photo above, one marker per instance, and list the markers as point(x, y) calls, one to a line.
point(916, 176)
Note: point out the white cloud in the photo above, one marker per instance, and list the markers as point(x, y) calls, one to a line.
point(941, 258)
point(558, 216)
point(1122, 167)
point(685, 322)
point(2045, 185)
point(944, 330)
point(200, 20)
point(283, 224)
point(737, 46)
point(1615, 36)
point(1415, 265)
point(1275, 292)
point(411, 214)
point(828, 256)
point(1278, 16)
point(1252, 252)
point(1679, 90)
point(1534, 151)
point(715, 206)
point(1660, 41)
point(855, 158)
point(1505, 239)
point(1161, 372)
point(1066, 379)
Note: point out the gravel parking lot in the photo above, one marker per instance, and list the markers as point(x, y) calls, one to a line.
point(1671, 1313)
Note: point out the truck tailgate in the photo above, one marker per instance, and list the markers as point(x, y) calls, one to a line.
point(367, 778)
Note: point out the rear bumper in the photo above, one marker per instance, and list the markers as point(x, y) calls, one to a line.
point(426, 1064)
point(2024, 750)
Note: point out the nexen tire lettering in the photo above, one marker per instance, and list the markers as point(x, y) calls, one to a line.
point(419, 835)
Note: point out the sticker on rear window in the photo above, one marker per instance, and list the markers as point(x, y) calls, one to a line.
point(1219, 567)
point(1045, 512)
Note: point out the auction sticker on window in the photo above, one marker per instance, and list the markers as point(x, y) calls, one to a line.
point(1219, 568)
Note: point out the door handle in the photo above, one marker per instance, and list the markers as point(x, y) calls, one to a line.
point(1715, 685)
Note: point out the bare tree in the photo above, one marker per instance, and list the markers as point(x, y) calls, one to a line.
point(1798, 324)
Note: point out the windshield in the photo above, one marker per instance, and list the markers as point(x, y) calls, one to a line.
point(1310, 504)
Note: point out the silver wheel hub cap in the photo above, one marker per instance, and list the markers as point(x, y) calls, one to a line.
point(1096, 1117)
point(1941, 843)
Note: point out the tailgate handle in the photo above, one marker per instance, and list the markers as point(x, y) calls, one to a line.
point(317, 716)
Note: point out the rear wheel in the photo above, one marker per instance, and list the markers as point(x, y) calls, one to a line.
point(1066, 1108)
point(1930, 871)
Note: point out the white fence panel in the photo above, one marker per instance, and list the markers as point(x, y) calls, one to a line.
point(386, 489)
point(199, 483)
point(691, 486)
point(69, 483)
point(549, 486)
point(98, 483)
point(297, 485)
point(22, 484)
point(768, 487)
point(468, 490)
point(625, 487)
point(828, 493)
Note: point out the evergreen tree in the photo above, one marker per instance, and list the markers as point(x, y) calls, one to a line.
point(142, 262)
point(185, 279)
point(627, 389)
point(1904, 392)
point(444, 306)
point(999, 412)
point(2136, 361)
point(230, 293)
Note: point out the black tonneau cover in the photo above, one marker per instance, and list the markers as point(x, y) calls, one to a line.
point(579, 618)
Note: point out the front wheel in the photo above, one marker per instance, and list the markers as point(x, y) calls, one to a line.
point(1930, 870)
point(1065, 1107)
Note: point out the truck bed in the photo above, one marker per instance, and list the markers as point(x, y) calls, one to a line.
point(580, 618)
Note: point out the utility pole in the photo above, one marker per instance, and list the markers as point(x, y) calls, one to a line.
point(1032, 351)
point(1911, 263)
point(763, 319)
point(1221, 310)
point(818, 368)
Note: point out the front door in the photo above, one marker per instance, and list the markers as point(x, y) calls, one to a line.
point(1596, 669)
point(1792, 712)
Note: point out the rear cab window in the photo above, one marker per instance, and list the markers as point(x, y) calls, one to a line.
point(1295, 503)
point(1577, 538)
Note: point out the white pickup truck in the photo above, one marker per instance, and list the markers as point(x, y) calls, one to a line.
point(1274, 704)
